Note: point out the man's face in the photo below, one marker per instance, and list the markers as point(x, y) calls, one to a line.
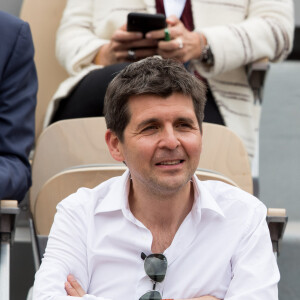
point(162, 142)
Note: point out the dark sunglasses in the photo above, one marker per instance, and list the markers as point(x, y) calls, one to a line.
point(155, 266)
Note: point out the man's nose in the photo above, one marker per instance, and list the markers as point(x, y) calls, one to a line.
point(169, 139)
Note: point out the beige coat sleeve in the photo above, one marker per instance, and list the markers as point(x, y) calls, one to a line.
point(76, 43)
point(266, 31)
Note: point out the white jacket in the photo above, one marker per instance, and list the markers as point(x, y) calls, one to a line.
point(238, 31)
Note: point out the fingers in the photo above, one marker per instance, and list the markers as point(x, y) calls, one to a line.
point(175, 28)
point(144, 43)
point(172, 20)
point(134, 55)
point(183, 48)
point(172, 49)
point(172, 45)
point(126, 36)
point(141, 48)
point(174, 32)
point(122, 35)
point(156, 34)
point(70, 290)
point(73, 288)
point(143, 53)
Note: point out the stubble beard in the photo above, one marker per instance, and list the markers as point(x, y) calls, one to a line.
point(166, 186)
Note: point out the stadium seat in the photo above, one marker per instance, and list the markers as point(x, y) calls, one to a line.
point(74, 142)
point(44, 18)
point(69, 181)
point(71, 152)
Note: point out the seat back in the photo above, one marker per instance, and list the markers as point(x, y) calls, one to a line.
point(224, 152)
point(66, 144)
point(76, 142)
point(62, 185)
point(43, 18)
point(67, 182)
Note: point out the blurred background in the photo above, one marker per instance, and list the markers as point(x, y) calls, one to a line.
point(279, 170)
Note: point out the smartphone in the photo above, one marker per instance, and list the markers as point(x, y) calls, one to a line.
point(143, 22)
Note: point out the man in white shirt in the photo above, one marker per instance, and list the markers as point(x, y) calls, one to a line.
point(210, 240)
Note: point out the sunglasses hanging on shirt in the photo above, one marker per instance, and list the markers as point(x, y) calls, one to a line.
point(155, 266)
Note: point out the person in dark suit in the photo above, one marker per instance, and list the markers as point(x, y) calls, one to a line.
point(18, 88)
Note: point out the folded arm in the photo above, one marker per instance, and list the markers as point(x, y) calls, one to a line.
point(65, 252)
point(73, 288)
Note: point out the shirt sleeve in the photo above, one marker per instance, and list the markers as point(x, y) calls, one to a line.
point(266, 31)
point(66, 251)
point(18, 88)
point(76, 43)
point(255, 273)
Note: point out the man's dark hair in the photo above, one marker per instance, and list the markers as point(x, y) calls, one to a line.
point(150, 76)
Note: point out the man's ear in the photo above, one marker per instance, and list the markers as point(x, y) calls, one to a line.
point(114, 145)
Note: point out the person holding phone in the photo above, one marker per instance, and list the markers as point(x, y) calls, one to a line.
point(215, 40)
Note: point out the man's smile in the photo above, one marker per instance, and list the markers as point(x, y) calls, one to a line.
point(170, 162)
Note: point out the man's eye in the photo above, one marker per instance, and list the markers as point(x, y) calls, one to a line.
point(184, 125)
point(149, 128)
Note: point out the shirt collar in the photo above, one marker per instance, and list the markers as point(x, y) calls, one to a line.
point(116, 197)
point(203, 198)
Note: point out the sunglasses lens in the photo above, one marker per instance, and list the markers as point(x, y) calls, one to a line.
point(156, 267)
point(152, 295)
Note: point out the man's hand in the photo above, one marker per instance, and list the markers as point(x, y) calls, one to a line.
point(116, 51)
point(73, 288)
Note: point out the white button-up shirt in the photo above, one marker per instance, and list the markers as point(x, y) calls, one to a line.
point(174, 7)
point(222, 248)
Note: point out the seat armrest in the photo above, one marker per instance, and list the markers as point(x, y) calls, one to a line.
point(257, 72)
point(277, 220)
point(8, 209)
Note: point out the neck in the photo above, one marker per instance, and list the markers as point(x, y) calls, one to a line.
point(161, 214)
